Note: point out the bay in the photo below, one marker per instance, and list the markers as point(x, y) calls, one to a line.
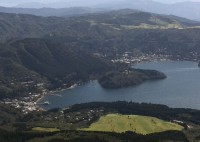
point(181, 88)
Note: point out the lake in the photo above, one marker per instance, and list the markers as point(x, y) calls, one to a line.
point(181, 88)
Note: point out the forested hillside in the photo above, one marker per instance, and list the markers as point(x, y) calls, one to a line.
point(35, 61)
point(61, 51)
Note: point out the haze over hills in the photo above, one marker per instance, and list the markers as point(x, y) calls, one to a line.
point(22, 26)
point(64, 3)
point(62, 12)
point(188, 10)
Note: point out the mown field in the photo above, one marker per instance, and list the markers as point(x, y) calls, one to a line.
point(135, 123)
point(41, 129)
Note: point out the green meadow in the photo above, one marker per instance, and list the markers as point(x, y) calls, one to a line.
point(135, 123)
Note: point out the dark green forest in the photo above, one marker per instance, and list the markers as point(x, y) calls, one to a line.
point(16, 126)
point(127, 78)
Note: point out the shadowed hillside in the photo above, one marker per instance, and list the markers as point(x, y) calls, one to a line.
point(36, 61)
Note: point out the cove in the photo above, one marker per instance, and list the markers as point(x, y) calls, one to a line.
point(181, 88)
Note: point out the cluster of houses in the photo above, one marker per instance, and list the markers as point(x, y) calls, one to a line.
point(26, 104)
point(84, 116)
point(129, 59)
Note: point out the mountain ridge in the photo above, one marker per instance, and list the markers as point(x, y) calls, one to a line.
point(188, 10)
point(46, 12)
point(23, 25)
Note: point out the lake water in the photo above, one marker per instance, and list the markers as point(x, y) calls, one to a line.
point(181, 88)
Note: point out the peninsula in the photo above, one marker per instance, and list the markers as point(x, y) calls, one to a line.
point(117, 79)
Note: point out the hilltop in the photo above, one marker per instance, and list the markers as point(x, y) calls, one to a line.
point(16, 26)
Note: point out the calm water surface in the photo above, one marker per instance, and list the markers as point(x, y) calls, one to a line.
point(180, 89)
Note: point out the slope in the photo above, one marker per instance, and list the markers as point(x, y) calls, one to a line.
point(135, 123)
point(32, 61)
point(16, 26)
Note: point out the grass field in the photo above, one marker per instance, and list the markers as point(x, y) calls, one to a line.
point(41, 129)
point(139, 124)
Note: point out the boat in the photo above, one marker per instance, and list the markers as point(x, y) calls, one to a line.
point(73, 86)
point(46, 103)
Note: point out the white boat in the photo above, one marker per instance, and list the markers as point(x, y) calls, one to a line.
point(46, 103)
point(73, 86)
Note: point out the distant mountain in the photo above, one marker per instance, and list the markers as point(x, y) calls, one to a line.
point(127, 17)
point(188, 10)
point(18, 26)
point(63, 12)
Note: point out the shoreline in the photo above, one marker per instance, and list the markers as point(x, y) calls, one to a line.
point(55, 92)
point(170, 60)
point(34, 102)
point(52, 93)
